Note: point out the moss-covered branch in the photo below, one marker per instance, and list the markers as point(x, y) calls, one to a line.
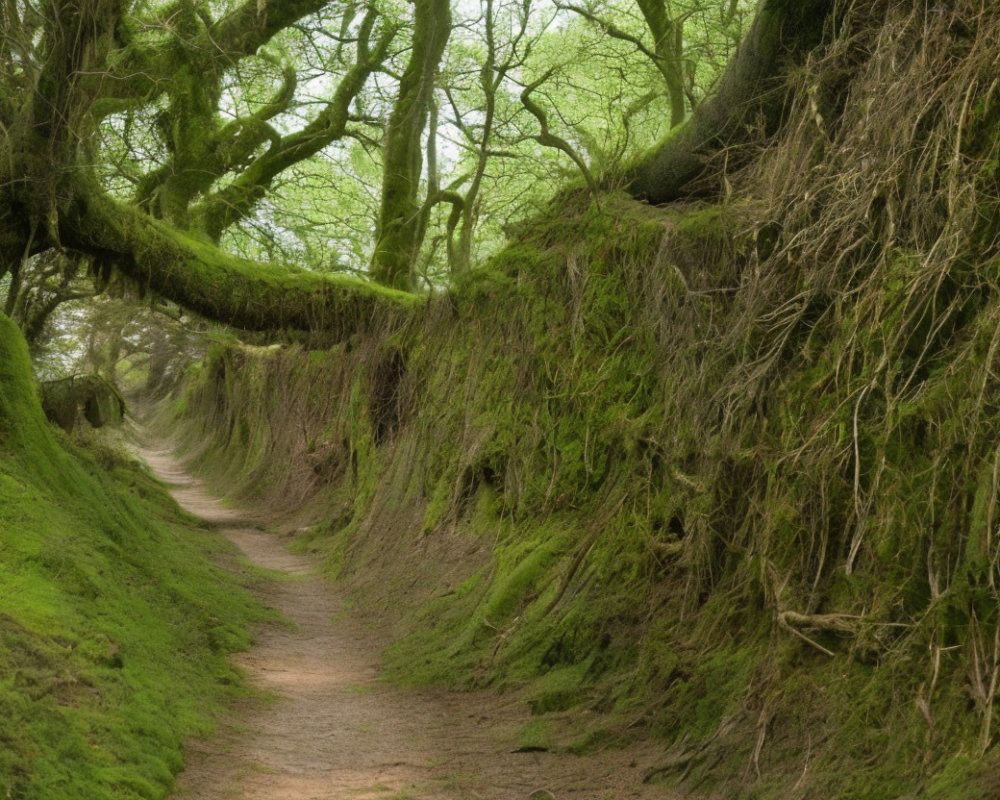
point(235, 291)
point(199, 161)
point(252, 24)
point(143, 68)
point(182, 53)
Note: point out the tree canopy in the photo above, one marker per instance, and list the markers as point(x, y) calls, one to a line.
point(296, 164)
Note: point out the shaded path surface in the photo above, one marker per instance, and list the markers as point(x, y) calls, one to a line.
point(333, 731)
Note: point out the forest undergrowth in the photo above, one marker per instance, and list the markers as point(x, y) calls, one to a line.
point(724, 472)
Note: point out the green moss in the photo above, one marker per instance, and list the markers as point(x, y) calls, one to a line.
point(439, 504)
point(521, 572)
point(561, 688)
point(964, 776)
point(114, 624)
point(539, 734)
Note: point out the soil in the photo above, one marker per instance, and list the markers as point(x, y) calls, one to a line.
point(329, 729)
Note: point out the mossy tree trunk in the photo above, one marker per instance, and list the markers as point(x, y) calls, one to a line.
point(398, 237)
point(749, 97)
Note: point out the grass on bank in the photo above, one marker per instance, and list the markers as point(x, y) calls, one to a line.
point(114, 622)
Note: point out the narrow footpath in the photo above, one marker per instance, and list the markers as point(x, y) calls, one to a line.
point(334, 731)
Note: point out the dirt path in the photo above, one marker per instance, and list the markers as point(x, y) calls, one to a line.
point(334, 731)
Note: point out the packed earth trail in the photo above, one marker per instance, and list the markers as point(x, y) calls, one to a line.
point(331, 729)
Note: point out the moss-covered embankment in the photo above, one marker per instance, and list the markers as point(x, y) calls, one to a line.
point(729, 471)
point(114, 625)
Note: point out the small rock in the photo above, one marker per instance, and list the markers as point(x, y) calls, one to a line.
point(541, 794)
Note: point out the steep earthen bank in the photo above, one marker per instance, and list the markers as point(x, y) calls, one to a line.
point(725, 473)
point(115, 624)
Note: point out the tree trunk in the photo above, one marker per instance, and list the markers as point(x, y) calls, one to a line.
point(398, 237)
point(750, 94)
point(668, 44)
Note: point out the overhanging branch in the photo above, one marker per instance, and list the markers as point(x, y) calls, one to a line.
point(235, 291)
